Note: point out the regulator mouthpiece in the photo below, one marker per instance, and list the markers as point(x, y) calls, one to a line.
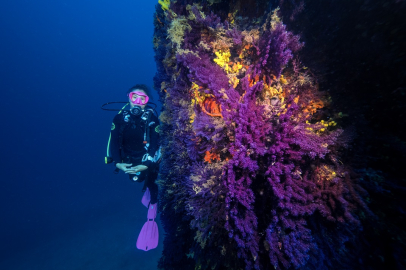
point(136, 110)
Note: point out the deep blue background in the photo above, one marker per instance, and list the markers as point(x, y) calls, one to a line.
point(60, 60)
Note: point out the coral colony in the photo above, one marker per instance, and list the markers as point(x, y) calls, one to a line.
point(251, 176)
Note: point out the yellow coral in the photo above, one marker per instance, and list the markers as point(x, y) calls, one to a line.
point(234, 81)
point(231, 17)
point(197, 189)
point(164, 4)
point(322, 126)
point(270, 91)
point(198, 97)
point(222, 59)
point(275, 19)
point(177, 30)
point(325, 173)
point(192, 16)
point(283, 80)
point(236, 67)
point(192, 117)
point(195, 100)
point(332, 123)
point(182, 51)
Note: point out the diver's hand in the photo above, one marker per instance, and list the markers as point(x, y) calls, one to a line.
point(135, 169)
point(125, 167)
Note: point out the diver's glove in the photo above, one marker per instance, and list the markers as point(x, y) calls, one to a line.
point(126, 167)
point(137, 169)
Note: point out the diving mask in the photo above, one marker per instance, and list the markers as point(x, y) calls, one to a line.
point(140, 98)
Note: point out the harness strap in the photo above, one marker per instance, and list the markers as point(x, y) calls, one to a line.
point(147, 129)
point(120, 136)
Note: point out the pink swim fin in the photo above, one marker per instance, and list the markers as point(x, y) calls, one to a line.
point(146, 198)
point(149, 235)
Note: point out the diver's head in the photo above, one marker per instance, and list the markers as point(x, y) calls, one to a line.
point(138, 96)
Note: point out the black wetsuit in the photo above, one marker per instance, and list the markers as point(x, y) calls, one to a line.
point(127, 146)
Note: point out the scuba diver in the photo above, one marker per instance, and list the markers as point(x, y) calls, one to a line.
point(134, 148)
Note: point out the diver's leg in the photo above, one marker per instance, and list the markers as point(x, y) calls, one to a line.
point(153, 189)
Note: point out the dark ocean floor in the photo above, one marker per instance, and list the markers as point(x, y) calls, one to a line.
point(102, 242)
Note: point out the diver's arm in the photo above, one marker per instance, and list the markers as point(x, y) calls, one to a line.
point(115, 146)
point(153, 149)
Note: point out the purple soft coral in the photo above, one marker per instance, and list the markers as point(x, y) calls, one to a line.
point(255, 163)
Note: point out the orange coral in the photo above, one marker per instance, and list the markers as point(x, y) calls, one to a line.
point(205, 101)
point(209, 157)
point(210, 107)
point(256, 79)
point(313, 105)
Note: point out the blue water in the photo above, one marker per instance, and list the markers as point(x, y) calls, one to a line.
point(61, 207)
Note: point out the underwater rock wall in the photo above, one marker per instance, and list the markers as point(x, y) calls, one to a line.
point(252, 176)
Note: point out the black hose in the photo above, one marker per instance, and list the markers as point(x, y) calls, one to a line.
point(123, 102)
